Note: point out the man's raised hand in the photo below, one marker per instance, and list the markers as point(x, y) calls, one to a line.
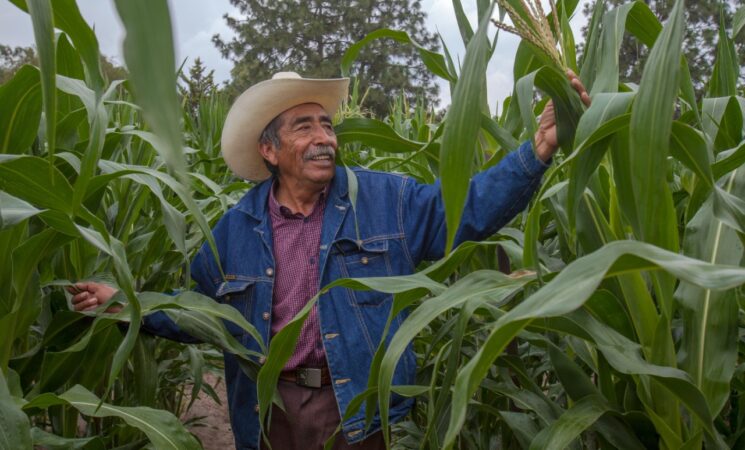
point(546, 138)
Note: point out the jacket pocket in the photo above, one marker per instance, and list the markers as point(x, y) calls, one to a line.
point(363, 260)
point(238, 294)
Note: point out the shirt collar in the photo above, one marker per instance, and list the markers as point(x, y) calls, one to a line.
point(278, 210)
point(255, 202)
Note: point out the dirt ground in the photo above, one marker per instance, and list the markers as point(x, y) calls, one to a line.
point(216, 434)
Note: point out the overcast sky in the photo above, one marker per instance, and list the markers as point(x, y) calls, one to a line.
point(196, 21)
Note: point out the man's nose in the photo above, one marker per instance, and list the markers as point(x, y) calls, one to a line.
point(322, 136)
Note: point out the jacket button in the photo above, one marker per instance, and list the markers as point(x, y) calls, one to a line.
point(262, 359)
point(270, 272)
point(364, 260)
point(256, 407)
point(265, 316)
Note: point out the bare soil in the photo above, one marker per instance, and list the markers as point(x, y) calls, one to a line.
point(215, 431)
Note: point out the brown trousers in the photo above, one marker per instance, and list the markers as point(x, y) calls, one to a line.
point(311, 417)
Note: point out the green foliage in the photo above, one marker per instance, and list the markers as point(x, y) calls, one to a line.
point(619, 326)
point(311, 37)
point(700, 43)
point(198, 85)
point(86, 193)
point(608, 342)
point(13, 58)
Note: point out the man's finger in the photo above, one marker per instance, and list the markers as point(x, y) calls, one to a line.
point(77, 288)
point(79, 297)
point(87, 305)
point(580, 88)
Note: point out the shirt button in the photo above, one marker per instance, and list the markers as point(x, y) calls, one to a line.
point(265, 316)
point(270, 272)
point(364, 260)
point(262, 359)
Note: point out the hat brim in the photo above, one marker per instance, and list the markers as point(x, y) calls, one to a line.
point(259, 105)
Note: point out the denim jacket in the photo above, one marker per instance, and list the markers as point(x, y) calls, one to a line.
point(400, 223)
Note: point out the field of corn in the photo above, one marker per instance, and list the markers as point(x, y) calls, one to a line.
point(617, 319)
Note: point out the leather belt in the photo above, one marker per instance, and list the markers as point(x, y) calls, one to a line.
point(314, 377)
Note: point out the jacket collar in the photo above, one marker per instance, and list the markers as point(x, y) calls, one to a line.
point(254, 202)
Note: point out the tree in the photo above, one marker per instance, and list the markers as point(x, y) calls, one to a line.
point(700, 43)
point(197, 85)
point(12, 58)
point(310, 37)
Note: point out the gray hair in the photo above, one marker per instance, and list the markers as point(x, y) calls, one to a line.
point(270, 135)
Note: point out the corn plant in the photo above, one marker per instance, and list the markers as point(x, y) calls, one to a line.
point(619, 326)
point(98, 180)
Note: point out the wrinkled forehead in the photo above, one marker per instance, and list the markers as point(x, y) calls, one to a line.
point(303, 112)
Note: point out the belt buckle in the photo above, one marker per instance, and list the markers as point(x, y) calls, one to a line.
point(308, 377)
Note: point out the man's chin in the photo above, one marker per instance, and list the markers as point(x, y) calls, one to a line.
point(322, 176)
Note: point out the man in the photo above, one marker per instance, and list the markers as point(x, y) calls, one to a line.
point(296, 232)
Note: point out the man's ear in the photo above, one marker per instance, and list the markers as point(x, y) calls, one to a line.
point(268, 152)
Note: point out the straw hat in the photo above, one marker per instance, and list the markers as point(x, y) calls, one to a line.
point(260, 104)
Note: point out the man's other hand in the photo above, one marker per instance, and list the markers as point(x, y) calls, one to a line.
point(87, 296)
point(546, 138)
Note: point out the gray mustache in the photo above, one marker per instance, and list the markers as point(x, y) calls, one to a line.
point(321, 150)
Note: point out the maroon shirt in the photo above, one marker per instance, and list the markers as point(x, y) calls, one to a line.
point(297, 241)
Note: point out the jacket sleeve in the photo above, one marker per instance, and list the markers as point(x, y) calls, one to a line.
point(495, 197)
point(160, 324)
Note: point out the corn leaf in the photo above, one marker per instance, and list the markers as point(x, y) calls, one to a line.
point(13, 210)
point(434, 61)
point(569, 290)
point(592, 53)
point(67, 17)
point(723, 80)
point(710, 316)
point(48, 440)
point(374, 133)
point(20, 110)
point(688, 146)
point(163, 429)
point(650, 128)
point(464, 26)
point(97, 119)
point(41, 17)
point(738, 22)
point(19, 177)
point(574, 421)
point(459, 138)
point(605, 107)
point(723, 121)
point(15, 430)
